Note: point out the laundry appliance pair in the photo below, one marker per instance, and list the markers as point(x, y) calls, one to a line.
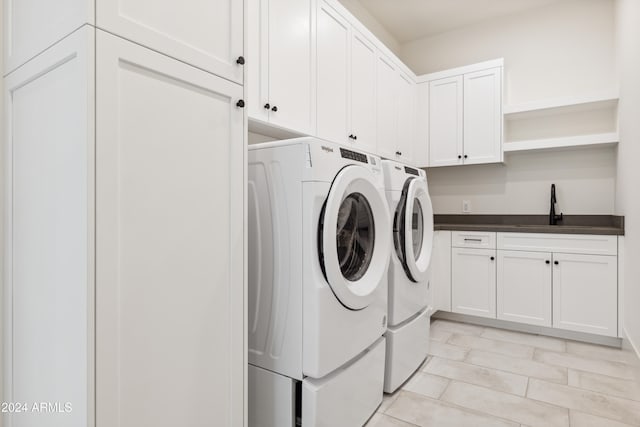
point(328, 329)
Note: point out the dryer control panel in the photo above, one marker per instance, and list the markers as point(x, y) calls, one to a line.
point(352, 155)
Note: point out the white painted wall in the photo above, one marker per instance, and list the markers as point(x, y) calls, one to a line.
point(368, 20)
point(256, 138)
point(2, 136)
point(628, 200)
point(558, 50)
point(585, 181)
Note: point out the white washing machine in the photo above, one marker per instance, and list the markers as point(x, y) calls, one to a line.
point(411, 211)
point(319, 246)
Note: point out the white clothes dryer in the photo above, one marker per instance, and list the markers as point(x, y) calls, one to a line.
point(319, 246)
point(411, 211)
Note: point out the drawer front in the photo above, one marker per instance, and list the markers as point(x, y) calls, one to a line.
point(473, 239)
point(559, 243)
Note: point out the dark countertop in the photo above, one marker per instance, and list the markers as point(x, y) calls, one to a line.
point(571, 224)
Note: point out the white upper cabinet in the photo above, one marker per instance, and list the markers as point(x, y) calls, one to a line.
point(465, 115)
point(406, 119)
point(207, 34)
point(281, 61)
point(363, 93)
point(483, 116)
point(386, 115)
point(31, 26)
point(396, 102)
point(346, 64)
point(445, 121)
point(333, 61)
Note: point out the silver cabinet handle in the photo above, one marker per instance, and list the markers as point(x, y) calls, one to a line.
point(473, 240)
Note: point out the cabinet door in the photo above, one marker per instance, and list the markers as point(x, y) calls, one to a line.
point(205, 33)
point(169, 242)
point(363, 93)
point(30, 27)
point(257, 86)
point(441, 271)
point(483, 116)
point(473, 282)
point(406, 119)
point(49, 235)
point(291, 61)
point(386, 105)
point(445, 122)
point(585, 293)
point(524, 287)
point(333, 38)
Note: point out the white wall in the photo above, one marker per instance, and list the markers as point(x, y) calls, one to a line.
point(585, 181)
point(563, 49)
point(2, 136)
point(628, 199)
point(559, 50)
point(372, 24)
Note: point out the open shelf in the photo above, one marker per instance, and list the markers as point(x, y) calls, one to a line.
point(577, 141)
point(563, 105)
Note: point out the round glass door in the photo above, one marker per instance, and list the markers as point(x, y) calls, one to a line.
point(354, 237)
point(413, 229)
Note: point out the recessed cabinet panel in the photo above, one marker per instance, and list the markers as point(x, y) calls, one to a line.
point(169, 233)
point(483, 116)
point(205, 33)
point(441, 271)
point(363, 93)
point(291, 60)
point(31, 26)
point(406, 119)
point(258, 53)
point(387, 115)
point(333, 78)
point(524, 287)
point(585, 293)
point(473, 282)
point(445, 121)
point(49, 262)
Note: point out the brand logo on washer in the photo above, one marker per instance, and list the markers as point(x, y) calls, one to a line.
point(327, 149)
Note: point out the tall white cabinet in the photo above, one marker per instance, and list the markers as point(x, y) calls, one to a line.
point(125, 246)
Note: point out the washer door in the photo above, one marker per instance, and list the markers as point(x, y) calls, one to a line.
point(413, 229)
point(354, 237)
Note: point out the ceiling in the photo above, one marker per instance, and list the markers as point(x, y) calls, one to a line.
point(409, 20)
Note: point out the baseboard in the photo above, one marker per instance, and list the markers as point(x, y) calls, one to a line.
point(628, 344)
point(532, 329)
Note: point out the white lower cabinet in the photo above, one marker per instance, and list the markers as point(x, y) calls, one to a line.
point(524, 287)
point(126, 247)
point(473, 281)
point(567, 282)
point(585, 297)
point(440, 271)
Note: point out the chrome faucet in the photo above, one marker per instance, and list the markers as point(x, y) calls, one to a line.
point(553, 218)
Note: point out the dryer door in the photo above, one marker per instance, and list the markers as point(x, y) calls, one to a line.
point(354, 237)
point(413, 229)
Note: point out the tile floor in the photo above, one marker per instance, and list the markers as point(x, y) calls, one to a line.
point(479, 377)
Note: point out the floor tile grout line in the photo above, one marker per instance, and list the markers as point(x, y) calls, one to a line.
point(584, 389)
point(466, 382)
point(602, 375)
point(463, 408)
point(511, 394)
